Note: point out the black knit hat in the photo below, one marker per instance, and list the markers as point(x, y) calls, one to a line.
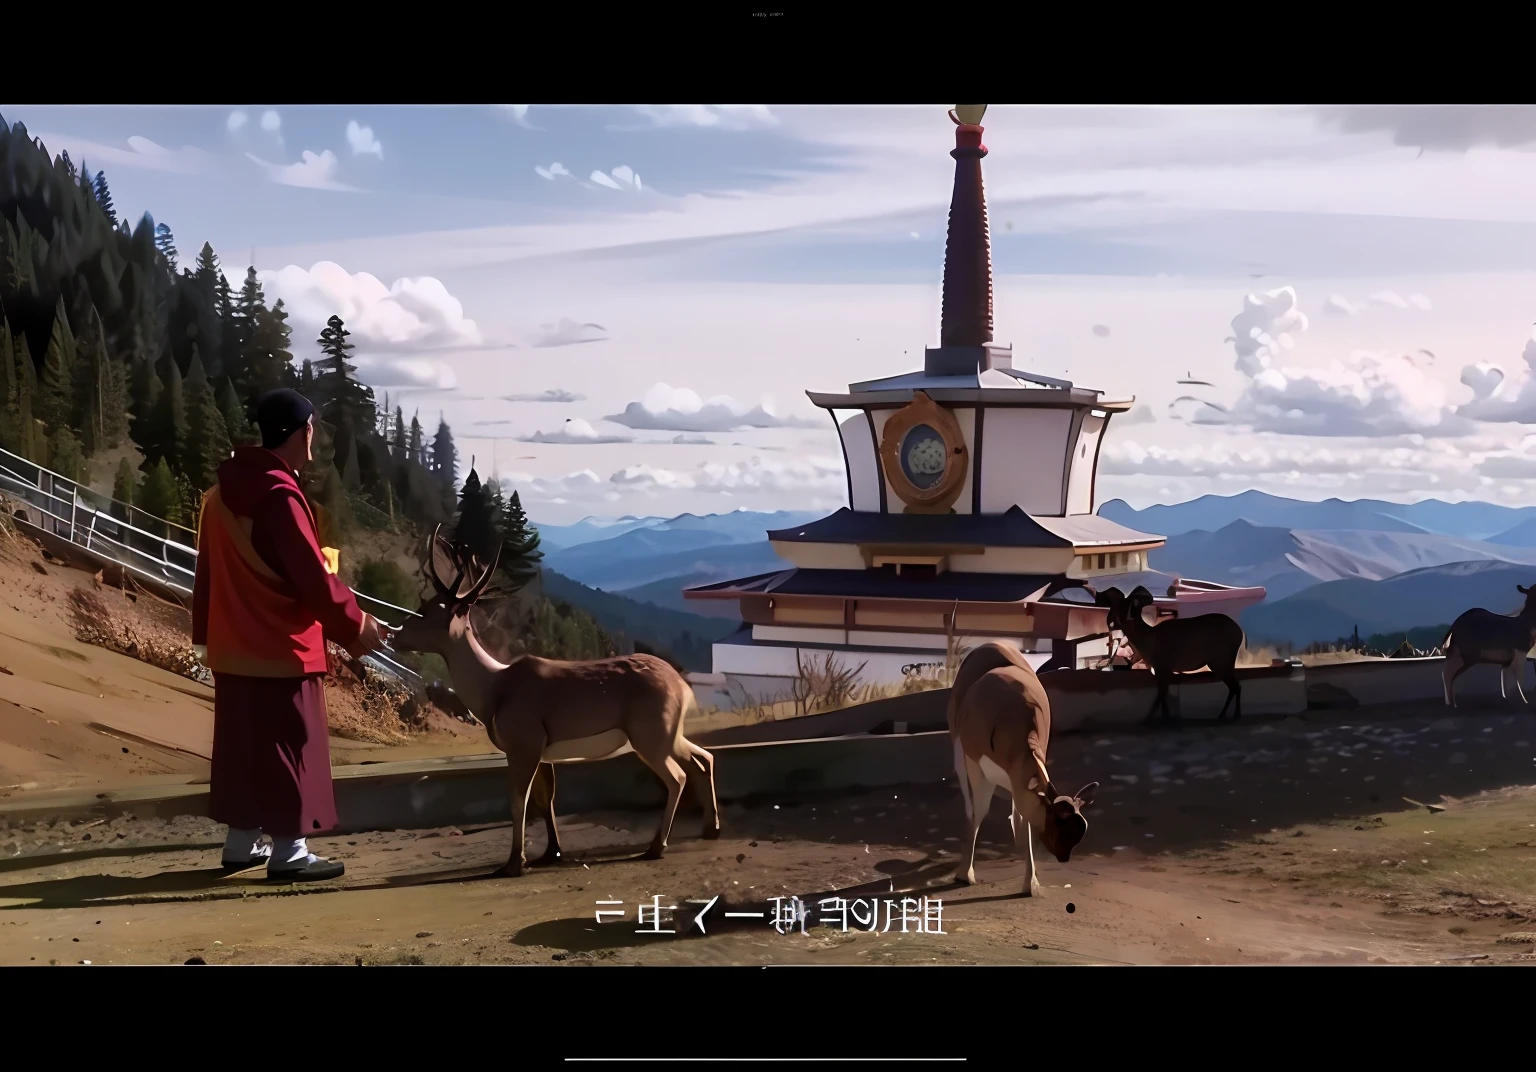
point(280, 413)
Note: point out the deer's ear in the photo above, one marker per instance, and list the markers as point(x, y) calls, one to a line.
point(1086, 794)
point(1522, 589)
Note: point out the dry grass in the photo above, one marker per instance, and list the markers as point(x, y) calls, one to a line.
point(95, 623)
point(374, 709)
point(1475, 861)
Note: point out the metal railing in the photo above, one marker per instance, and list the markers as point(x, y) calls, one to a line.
point(159, 550)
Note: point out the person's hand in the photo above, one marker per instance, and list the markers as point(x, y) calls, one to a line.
point(368, 639)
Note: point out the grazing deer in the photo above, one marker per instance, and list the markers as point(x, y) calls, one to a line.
point(1481, 636)
point(1000, 726)
point(1179, 646)
point(550, 711)
point(543, 793)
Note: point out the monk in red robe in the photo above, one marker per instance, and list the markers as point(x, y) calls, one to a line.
point(264, 603)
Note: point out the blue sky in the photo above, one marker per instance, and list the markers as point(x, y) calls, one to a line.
point(710, 263)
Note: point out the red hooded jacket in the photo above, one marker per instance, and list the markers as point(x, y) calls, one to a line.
point(264, 601)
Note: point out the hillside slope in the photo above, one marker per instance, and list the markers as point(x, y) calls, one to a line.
point(686, 637)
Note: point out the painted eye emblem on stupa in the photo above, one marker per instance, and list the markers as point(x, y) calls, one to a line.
point(924, 456)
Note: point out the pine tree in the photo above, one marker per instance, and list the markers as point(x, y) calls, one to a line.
point(242, 433)
point(56, 403)
point(165, 242)
point(104, 196)
point(168, 425)
point(445, 458)
point(123, 487)
point(520, 554)
point(267, 356)
point(415, 448)
point(475, 526)
point(336, 386)
point(64, 454)
point(10, 383)
point(207, 444)
point(307, 380)
point(397, 439)
point(248, 309)
point(144, 392)
point(158, 495)
point(101, 401)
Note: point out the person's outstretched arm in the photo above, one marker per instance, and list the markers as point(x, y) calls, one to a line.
point(292, 537)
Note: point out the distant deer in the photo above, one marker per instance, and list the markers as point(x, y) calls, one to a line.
point(1000, 725)
point(1481, 636)
point(1179, 646)
point(540, 711)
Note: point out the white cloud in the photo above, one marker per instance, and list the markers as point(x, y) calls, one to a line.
point(1264, 327)
point(672, 409)
point(1446, 127)
point(311, 172)
point(408, 315)
point(818, 480)
point(236, 120)
point(1141, 414)
point(603, 180)
point(694, 440)
point(407, 372)
point(622, 177)
point(1101, 330)
point(1388, 299)
point(518, 113)
point(140, 153)
point(1432, 460)
point(721, 116)
point(271, 122)
point(1495, 400)
point(362, 140)
point(575, 430)
point(568, 333)
point(626, 175)
point(554, 394)
point(1365, 394)
point(552, 171)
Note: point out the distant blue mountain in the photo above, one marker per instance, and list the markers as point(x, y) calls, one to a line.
point(1423, 597)
point(1468, 520)
point(1285, 561)
point(700, 565)
point(644, 550)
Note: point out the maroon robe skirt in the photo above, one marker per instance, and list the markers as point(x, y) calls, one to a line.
point(271, 755)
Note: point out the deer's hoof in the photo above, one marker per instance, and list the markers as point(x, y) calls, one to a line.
point(711, 833)
point(653, 854)
point(967, 879)
point(511, 870)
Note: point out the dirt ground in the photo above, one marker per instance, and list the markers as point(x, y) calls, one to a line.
point(1275, 843)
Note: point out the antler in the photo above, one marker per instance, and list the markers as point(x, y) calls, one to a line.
point(484, 579)
point(431, 563)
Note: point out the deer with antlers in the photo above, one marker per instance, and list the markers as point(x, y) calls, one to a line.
point(544, 711)
point(1000, 724)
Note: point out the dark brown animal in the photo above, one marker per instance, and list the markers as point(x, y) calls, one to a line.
point(1179, 646)
point(550, 711)
point(1000, 726)
point(1480, 636)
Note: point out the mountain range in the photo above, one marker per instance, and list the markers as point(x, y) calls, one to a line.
point(1328, 567)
